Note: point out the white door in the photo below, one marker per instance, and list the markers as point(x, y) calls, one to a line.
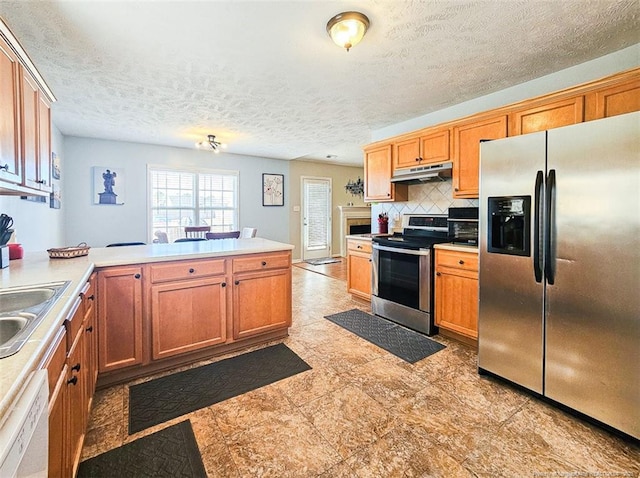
point(316, 218)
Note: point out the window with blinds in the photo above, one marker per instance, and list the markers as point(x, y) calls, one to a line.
point(186, 198)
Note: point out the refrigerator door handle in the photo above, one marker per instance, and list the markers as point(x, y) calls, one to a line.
point(537, 229)
point(550, 243)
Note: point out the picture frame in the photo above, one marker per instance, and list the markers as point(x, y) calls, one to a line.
point(55, 197)
point(55, 166)
point(108, 186)
point(272, 189)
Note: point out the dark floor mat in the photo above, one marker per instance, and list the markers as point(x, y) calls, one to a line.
point(162, 399)
point(323, 260)
point(172, 452)
point(404, 343)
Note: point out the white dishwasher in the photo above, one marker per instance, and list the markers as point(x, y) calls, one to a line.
point(24, 436)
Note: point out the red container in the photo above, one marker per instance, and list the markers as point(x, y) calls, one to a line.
point(15, 251)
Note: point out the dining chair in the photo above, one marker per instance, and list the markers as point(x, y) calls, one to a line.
point(223, 235)
point(196, 231)
point(161, 237)
point(248, 232)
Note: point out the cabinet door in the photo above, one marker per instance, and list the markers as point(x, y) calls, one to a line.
point(456, 301)
point(614, 100)
point(187, 316)
point(359, 274)
point(261, 302)
point(58, 426)
point(548, 116)
point(466, 159)
point(9, 116)
point(434, 147)
point(44, 145)
point(119, 317)
point(377, 177)
point(30, 142)
point(406, 154)
point(76, 402)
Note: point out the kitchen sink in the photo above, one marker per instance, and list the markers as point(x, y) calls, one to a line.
point(21, 311)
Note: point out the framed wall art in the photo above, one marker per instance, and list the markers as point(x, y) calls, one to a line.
point(108, 185)
point(272, 189)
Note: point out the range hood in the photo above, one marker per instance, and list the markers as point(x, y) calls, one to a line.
point(423, 174)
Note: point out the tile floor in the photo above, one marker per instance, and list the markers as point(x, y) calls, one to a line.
point(362, 412)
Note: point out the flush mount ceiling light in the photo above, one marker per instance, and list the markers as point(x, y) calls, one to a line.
point(346, 29)
point(211, 143)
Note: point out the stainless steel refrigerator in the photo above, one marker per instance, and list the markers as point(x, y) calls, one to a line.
point(559, 310)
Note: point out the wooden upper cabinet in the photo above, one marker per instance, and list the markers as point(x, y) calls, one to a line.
point(614, 100)
point(25, 122)
point(430, 147)
point(547, 116)
point(466, 154)
point(9, 116)
point(377, 176)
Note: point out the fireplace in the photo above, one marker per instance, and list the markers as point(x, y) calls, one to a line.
point(353, 220)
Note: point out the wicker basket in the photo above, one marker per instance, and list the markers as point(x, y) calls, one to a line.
point(69, 252)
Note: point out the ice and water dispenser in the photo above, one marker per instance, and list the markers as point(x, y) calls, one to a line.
point(509, 225)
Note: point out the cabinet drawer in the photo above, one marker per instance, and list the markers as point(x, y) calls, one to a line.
point(359, 246)
point(262, 262)
point(73, 322)
point(186, 270)
point(457, 260)
point(55, 358)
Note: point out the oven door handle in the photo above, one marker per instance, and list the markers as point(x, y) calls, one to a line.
point(413, 252)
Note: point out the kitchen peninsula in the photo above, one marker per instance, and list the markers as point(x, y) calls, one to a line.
point(154, 307)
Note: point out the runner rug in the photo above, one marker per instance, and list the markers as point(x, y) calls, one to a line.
point(168, 453)
point(159, 400)
point(402, 342)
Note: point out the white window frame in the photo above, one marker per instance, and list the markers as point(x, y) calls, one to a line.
point(197, 208)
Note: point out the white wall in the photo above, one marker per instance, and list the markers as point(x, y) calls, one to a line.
point(592, 70)
point(99, 225)
point(37, 226)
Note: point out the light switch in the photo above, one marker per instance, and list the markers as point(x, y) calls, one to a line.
point(296, 208)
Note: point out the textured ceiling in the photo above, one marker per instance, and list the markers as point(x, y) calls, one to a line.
point(265, 78)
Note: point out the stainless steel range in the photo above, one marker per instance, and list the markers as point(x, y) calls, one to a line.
point(402, 282)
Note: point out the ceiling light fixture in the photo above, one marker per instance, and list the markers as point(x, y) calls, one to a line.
point(211, 142)
point(346, 29)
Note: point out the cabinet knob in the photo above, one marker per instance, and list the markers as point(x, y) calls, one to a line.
point(237, 282)
point(41, 181)
point(73, 380)
point(359, 246)
point(5, 167)
point(456, 189)
point(417, 160)
point(437, 273)
point(460, 262)
point(137, 276)
point(89, 329)
point(264, 263)
point(91, 297)
point(224, 284)
point(76, 367)
point(192, 270)
point(388, 195)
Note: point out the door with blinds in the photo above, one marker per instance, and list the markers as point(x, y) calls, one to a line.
point(316, 218)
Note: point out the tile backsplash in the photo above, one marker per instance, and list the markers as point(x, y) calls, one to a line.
point(428, 198)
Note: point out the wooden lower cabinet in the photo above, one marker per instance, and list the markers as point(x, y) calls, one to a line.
point(77, 400)
point(456, 292)
point(359, 268)
point(188, 315)
point(261, 302)
point(119, 317)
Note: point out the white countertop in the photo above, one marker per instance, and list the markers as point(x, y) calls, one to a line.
point(37, 268)
point(450, 246)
